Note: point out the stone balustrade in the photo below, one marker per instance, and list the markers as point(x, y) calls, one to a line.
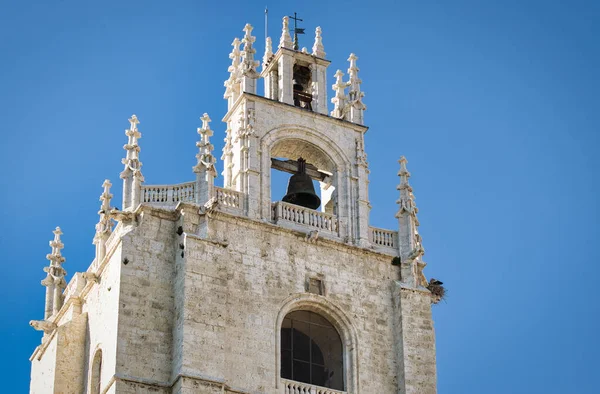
point(282, 211)
point(384, 240)
point(383, 237)
point(169, 194)
point(292, 387)
point(229, 198)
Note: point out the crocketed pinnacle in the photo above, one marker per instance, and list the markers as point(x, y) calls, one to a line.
point(206, 160)
point(248, 63)
point(55, 271)
point(286, 40)
point(132, 162)
point(318, 49)
point(104, 226)
point(406, 201)
point(268, 52)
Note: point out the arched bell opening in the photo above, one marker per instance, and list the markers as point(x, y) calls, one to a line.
point(302, 174)
point(302, 86)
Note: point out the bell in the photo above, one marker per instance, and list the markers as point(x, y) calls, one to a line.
point(300, 190)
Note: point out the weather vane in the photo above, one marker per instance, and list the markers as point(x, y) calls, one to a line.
point(297, 30)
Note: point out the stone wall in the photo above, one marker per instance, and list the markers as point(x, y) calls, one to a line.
point(146, 298)
point(237, 282)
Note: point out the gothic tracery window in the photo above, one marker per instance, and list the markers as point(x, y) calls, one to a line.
point(311, 350)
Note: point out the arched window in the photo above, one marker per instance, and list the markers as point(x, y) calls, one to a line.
point(311, 350)
point(96, 373)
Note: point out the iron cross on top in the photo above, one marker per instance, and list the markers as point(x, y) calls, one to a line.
point(297, 30)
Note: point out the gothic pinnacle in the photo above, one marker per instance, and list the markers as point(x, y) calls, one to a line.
point(248, 62)
point(55, 257)
point(339, 100)
point(131, 161)
point(206, 160)
point(286, 40)
point(235, 55)
point(406, 200)
point(318, 49)
point(268, 52)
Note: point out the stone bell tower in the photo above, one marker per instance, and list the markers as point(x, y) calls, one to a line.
point(202, 288)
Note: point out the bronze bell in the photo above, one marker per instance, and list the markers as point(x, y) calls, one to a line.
point(300, 190)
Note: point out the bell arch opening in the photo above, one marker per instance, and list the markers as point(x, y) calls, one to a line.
point(300, 168)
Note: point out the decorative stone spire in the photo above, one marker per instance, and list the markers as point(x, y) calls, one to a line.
point(355, 96)
point(235, 56)
point(132, 174)
point(411, 248)
point(318, 49)
point(232, 84)
point(205, 168)
point(248, 62)
point(104, 225)
point(249, 65)
point(55, 279)
point(268, 52)
point(205, 158)
point(339, 100)
point(286, 40)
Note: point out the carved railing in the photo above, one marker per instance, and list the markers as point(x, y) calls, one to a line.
point(229, 198)
point(282, 211)
point(169, 194)
point(291, 387)
point(383, 237)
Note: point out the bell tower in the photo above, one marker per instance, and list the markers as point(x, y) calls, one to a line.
point(223, 286)
point(291, 122)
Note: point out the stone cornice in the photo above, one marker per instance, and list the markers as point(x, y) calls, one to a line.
point(305, 112)
point(274, 228)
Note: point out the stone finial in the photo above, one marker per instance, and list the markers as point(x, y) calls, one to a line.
point(132, 160)
point(105, 197)
point(286, 40)
point(55, 280)
point(248, 63)
point(55, 257)
point(231, 84)
point(354, 82)
point(132, 173)
point(104, 225)
point(268, 52)
point(318, 49)
point(339, 100)
point(235, 55)
point(206, 160)
point(355, 96)
point(406, 202)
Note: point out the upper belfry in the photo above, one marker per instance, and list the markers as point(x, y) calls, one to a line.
point(295, 77)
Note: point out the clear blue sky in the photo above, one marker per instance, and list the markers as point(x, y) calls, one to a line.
point(494, 103)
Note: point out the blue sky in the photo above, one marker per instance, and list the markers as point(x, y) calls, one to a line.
point(494, 103)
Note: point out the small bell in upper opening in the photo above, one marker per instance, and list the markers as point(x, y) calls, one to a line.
point(300, 190)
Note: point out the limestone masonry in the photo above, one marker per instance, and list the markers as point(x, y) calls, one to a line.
point(207, 289)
